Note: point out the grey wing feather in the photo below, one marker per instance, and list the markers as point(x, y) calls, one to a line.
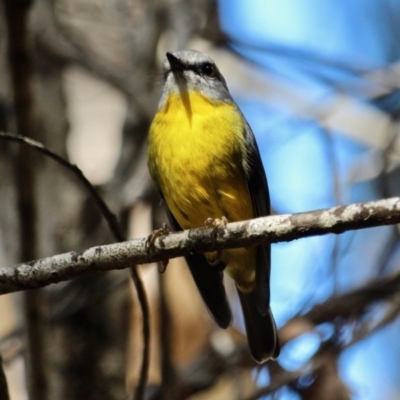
point(258, 188)
point(209, 281)
point(261, 329)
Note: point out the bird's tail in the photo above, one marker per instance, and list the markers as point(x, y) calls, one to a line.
point(261, 330)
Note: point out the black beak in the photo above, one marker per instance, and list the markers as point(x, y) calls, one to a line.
point(175, 63)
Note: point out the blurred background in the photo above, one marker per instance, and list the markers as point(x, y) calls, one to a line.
point(318, 81)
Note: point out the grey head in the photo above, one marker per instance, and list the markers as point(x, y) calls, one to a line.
point(191, 70)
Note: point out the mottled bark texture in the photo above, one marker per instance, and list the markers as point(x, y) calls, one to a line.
point(274, 229)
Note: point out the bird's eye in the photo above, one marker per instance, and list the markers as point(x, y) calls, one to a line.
point(208, 70)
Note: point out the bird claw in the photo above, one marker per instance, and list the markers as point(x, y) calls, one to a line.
point(150, 243)
point(218, 225)
point(156, 234)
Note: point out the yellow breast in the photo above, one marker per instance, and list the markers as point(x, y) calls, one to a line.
point(195, 156)
point(195, 153)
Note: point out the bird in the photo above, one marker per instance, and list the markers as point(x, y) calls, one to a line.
point(204, 160)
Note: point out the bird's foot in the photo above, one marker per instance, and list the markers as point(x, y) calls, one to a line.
point(218, 225)
point(162, 266)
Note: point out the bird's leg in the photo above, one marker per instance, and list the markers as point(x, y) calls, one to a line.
point(162, 266)
point(218, 225)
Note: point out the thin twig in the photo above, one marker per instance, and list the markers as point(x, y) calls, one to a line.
point(110, 218)
point(141, 293)
point(168, 373)
point(354, 303)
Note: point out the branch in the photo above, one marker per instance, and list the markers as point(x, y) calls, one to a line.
point(272, 229)
point(354, 303)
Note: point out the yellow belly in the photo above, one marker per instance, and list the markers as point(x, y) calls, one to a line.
point(195, 157)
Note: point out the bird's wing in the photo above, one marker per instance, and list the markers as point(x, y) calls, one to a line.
point(258, 189)
point(261, 329)
point(209, 281)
